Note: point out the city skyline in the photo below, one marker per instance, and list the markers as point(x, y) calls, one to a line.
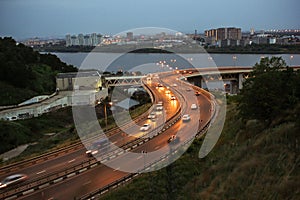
point(33, 18)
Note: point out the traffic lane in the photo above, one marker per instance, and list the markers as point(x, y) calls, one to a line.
point(77, 157)
point(169, 108)
point(89, 181)
point(156, 147)
point(161, 141)
point(77, 186)
point(187, 134)
point(152, 144)
point(51, 165)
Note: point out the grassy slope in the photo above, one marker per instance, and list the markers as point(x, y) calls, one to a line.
point(248, 162)
point(43, 83)
point(10, 95)
point(32, 130)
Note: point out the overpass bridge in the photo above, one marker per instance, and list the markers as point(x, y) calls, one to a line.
point(232, 76)
point(122, 80)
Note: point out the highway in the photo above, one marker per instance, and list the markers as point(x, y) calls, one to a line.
point(101, 175)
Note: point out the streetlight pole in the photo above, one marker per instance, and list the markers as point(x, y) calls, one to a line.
point(291, 58)
point(105, 114)
point(234, 60)
point(105, 111)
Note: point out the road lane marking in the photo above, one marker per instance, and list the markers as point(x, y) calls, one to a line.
point(139, 157)
point(116, 169)
point(28, 191)
point(71, 161)
point(157, 147)
point(115, 142)
point(86, 183)
point(57, 180)
point(41, 172)
point(72, 174)
point(82, 170)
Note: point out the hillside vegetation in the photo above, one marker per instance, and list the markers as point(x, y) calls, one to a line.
point(25, 73)
point(256, 157)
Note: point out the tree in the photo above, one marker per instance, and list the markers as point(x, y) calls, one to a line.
point(270, 89)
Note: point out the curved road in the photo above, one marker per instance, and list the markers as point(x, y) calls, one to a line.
point(102, 175)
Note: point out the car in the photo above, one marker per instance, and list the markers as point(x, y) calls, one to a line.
point(91, 153)
point(13, 179)
point(194, 106)
point(173, 139)
point(174, 85)
point(186, 118)
point(145, 127)
point(173, 98)
point(160, 103)
point(197, 93)
point(152, 115)
point(159, 85)
point(188, 89)
point(159, 108)
point(168, 92)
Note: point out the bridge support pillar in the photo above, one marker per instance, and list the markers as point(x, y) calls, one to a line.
point(241, 80)
point(233, 87)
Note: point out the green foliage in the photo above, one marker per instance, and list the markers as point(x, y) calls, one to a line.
point(256, 48)
point(14, 134)
point(270, 89)
point(21, 68)
point(10, 95)
point(25, 131)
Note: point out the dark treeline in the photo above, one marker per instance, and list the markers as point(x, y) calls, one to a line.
point(23, 68)
point(256, 49)
point(271, 90)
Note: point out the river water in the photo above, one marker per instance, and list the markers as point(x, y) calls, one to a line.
point(158, 62)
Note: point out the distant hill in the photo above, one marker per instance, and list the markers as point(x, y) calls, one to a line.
point(25, 73)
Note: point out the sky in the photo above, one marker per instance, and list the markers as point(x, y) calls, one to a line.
point(23, 19)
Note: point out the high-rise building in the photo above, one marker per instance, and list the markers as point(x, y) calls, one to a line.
point(87, 40)
point(230, 33)
point(129, 36)
point(94, 40)
point(234, 33)
point(80, 39)
point(74, 40)
point(83, 40)
point(99, 39)
point(68, 40)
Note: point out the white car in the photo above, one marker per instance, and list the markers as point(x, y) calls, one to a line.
point(152, 115)
point(174, 85)
point(160, 103)
point(194, 106)
point(13, 179)
point(186, 118)
point(91, 153)
point(145, 127)
point(159, 108)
